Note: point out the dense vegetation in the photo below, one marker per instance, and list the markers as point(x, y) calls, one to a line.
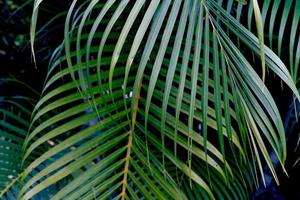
point(170, 99)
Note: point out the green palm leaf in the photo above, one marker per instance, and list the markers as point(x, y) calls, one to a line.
point(155, 100)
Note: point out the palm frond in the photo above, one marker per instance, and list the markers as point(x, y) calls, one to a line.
point(285, 38)
point(154, 100)
point(16, 110)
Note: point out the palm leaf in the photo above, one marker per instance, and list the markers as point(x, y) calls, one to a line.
point(16, 112)
point(153, 100)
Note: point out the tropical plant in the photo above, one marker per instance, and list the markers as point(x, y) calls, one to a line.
point(152, 100)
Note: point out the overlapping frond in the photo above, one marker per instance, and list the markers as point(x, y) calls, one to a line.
point(154, 100)
point(13, 132)
point(281, 21)
point(16, 110)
